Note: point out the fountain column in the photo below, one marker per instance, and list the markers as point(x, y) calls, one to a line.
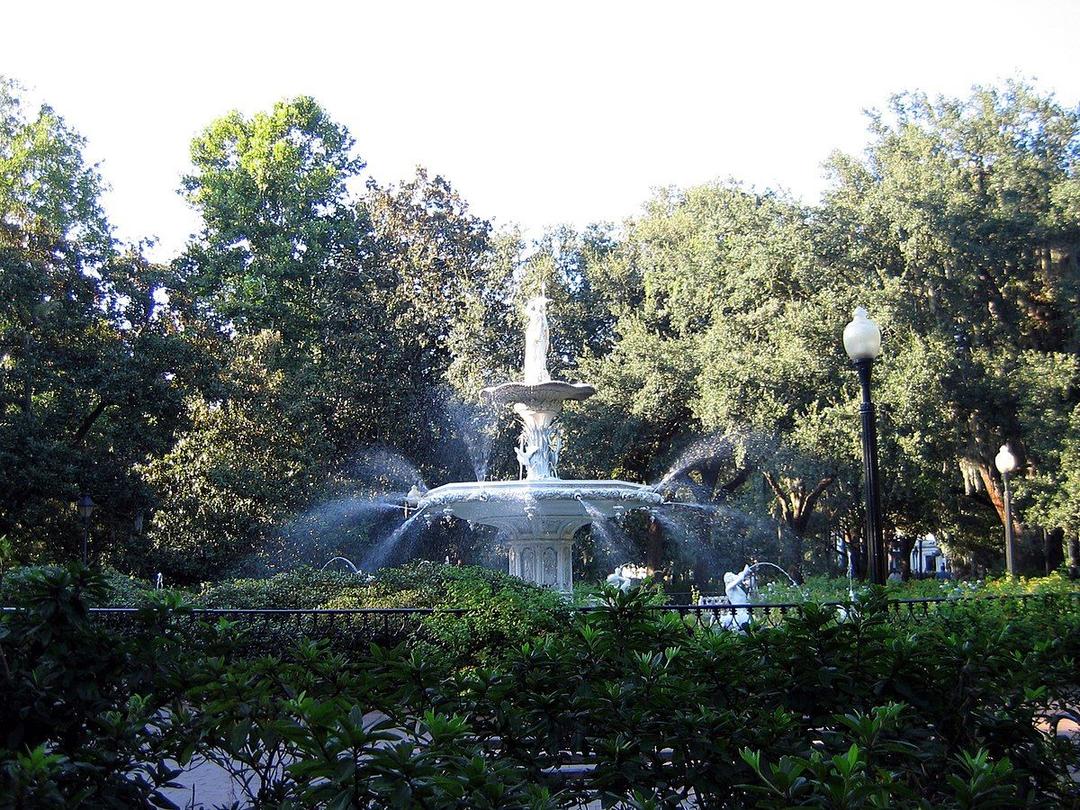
point(546, 561)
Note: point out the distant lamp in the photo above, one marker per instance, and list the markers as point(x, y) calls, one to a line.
point(1005, 462)
point(862, 342)
point(86, 507)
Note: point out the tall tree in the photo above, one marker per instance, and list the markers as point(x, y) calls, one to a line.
point(961, 219)
point(88, 374)
point(273, 193)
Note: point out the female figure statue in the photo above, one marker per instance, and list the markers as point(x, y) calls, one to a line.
point(536, 341)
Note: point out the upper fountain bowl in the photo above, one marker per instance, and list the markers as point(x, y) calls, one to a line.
point(538, 396)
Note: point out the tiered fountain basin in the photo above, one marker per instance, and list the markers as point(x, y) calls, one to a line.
point(538, 518)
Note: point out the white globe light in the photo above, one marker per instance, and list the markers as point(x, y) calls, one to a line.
point(862, 337)
point(1005, 461)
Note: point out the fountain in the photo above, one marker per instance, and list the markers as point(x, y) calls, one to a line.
point(539, 513)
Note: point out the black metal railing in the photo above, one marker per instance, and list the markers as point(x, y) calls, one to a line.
point(372, 624)
point(912, 609)
point(348, 626)
point(264, 630)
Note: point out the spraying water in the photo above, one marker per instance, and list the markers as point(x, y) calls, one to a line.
point(475, 425)
point(378, 555)
point(342, 526)
point(757, 565)
point(382, 470)
point(345, 560)
point(613, 540)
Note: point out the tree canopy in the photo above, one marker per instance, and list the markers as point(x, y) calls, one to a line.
point(207, 404)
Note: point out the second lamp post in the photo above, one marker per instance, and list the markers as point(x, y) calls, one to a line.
point(862, 342)
point(86, 506)
point(1005, 461)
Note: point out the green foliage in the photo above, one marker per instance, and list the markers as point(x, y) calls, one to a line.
point(120, 590)
point(92, 367)
point(272, 191)
point(234, 474)
point(834, 589)
point(300, 588)
point(867, 711)
point(78, 722)
point(497, 612)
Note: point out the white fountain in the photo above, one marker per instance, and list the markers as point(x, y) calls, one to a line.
point(539, 513)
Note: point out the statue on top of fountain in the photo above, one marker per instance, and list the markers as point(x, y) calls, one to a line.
point(537, 339)
point(537, 399)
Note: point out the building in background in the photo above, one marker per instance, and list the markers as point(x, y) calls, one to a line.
point(929, 559)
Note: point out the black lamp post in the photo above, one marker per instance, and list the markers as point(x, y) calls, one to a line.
point(86, 507)
point(862, 342)
point(1005, 461)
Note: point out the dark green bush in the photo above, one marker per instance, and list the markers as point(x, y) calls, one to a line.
point(822, 711)
point(499, 612)
point(118, 589)
point(80, 713)
point(302, 587)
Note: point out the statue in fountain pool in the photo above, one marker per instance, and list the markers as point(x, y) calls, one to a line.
point(735, 596)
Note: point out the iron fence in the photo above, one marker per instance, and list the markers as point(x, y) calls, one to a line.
point(772, 614)
point(268, 628)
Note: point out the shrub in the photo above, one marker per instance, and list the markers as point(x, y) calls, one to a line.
point(79, 722)
point(823, 710)
point(118, 589)
point(300, 588)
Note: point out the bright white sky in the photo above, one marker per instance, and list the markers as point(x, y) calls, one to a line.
point(538, 113)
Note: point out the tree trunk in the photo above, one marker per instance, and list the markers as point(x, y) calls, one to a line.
point(996, 493)
point(907, 545)
point(88, 422)
point(795, 557)
point(1074, 556)
point(28, 378)
point(853, 540)
point(1054, 549)
point(700, 573)
point(796, 505)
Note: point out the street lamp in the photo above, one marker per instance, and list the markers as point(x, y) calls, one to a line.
point(862, 342)
point(1005, 462)
point(86, 507)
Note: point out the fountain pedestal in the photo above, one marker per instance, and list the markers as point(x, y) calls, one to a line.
point(537, 520)
point(543, 561)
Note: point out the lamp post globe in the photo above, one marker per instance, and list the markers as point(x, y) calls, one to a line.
point(1005, 462)
point(862, 337)
point(862, 342)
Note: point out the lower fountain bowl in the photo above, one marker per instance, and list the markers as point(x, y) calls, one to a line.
point(538, 518)
point(493, 502)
